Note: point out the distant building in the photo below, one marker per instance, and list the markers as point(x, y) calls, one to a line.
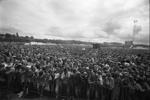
point(128, 44)
point(96, 45)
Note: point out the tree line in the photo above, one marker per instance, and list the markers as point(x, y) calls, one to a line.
point(8, 37)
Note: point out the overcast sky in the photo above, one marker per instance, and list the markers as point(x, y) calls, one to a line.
point(88, 20)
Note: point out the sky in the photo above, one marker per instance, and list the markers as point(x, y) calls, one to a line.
point(85, 20)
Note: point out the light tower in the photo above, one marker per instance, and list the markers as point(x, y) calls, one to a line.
point(134, 29)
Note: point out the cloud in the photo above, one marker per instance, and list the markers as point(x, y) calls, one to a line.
point(111, 27)
point(90, 20)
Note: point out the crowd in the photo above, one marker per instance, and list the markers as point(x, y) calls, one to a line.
point(75, 73)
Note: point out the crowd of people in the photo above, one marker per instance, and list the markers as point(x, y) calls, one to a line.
point(75, 73)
